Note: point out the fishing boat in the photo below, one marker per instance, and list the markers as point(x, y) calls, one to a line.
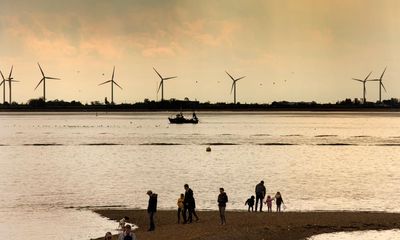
point(180, 119)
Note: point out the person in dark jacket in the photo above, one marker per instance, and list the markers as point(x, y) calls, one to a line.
point(279, 201)
point(250, 203)
point(152, 209)
point(260, 194)
point(222, 200)
point(188, 204)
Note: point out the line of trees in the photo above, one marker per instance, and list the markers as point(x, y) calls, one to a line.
point(186, 104)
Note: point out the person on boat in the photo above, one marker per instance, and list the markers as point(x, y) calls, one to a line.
point(194, 117)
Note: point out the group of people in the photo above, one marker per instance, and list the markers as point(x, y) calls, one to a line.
point(260, 198)
point(187, 208)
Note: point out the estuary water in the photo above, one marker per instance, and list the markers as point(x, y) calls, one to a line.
point(55, 167)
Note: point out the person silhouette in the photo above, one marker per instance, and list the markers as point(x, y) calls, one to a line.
point(260, 194)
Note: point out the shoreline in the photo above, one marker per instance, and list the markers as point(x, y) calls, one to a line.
point(255, 225)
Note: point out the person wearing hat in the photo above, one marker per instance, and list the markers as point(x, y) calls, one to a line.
point(152, 209)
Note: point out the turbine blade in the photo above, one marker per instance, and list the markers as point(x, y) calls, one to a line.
point(2, 82)
point(117, 84)
point(159, 87)
point(158, 73)
point(383, 87)
point(112, 77)
point(2, 76)
point(105, 82)
point(240, 78)
point(367, 76)
point(230, 76)
point(52, 78)
point(355, 79)
point(39, 83)
point(232, 87)
point(383, 73)
point(169, 78)
point(9, 76)
point(41, 70)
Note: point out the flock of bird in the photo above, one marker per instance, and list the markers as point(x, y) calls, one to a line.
point(42, 81)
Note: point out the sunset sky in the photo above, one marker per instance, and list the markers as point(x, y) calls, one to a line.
point(310, 49)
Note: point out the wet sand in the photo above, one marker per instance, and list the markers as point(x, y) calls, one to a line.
point(249, 226)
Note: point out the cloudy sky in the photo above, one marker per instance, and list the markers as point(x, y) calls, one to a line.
point(296, 50)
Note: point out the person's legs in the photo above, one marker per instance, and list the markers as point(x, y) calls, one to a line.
point(190, 215)
point(179, 215)
point(184, 214)
point(152, 225)
point(257, 198)
point(195, 214)
point(248, 209)
point(222, 215)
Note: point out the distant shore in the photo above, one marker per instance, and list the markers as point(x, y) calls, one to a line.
point(242, 225)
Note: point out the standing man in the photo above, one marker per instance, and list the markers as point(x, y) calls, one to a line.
point(222, 200)
point(152, 209)
point(260, 194)
point(188, 204)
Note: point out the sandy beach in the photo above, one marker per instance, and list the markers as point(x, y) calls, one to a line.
point(249, 226)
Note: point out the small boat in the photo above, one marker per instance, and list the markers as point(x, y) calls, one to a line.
point(180, 119)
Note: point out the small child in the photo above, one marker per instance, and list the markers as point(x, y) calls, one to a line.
point(268, 201)
point(250, 203)
point(180, 206)
point(122, 222)
point(279, 201)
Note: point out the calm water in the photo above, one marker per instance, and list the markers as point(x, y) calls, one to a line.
point(54, 165)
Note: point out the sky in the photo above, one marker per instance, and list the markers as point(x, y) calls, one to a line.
point(294, 50)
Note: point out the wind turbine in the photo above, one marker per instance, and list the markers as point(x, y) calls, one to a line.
point(10, 80)
point(364, 88)
point(162, 84)
point(112, 85)
point(380, 85)
point(4, 87)
point(44, 82)
point(234, 86)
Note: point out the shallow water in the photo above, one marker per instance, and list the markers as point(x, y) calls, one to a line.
point(53, 164)
point(360, 235)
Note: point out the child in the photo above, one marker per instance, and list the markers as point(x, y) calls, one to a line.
point(122, 222)
point(268, 201)
point(250, 202)
point(279, 201)
point(180, 206)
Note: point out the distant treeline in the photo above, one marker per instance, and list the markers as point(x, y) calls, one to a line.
point(187, 105)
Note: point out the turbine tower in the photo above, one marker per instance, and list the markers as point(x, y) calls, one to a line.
point(364, 88)
point(380, 85)
point(3, 82)
point(234, 86)
point(10, 79)
point(44, 82)
point(162, 84)
point(112, 85)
